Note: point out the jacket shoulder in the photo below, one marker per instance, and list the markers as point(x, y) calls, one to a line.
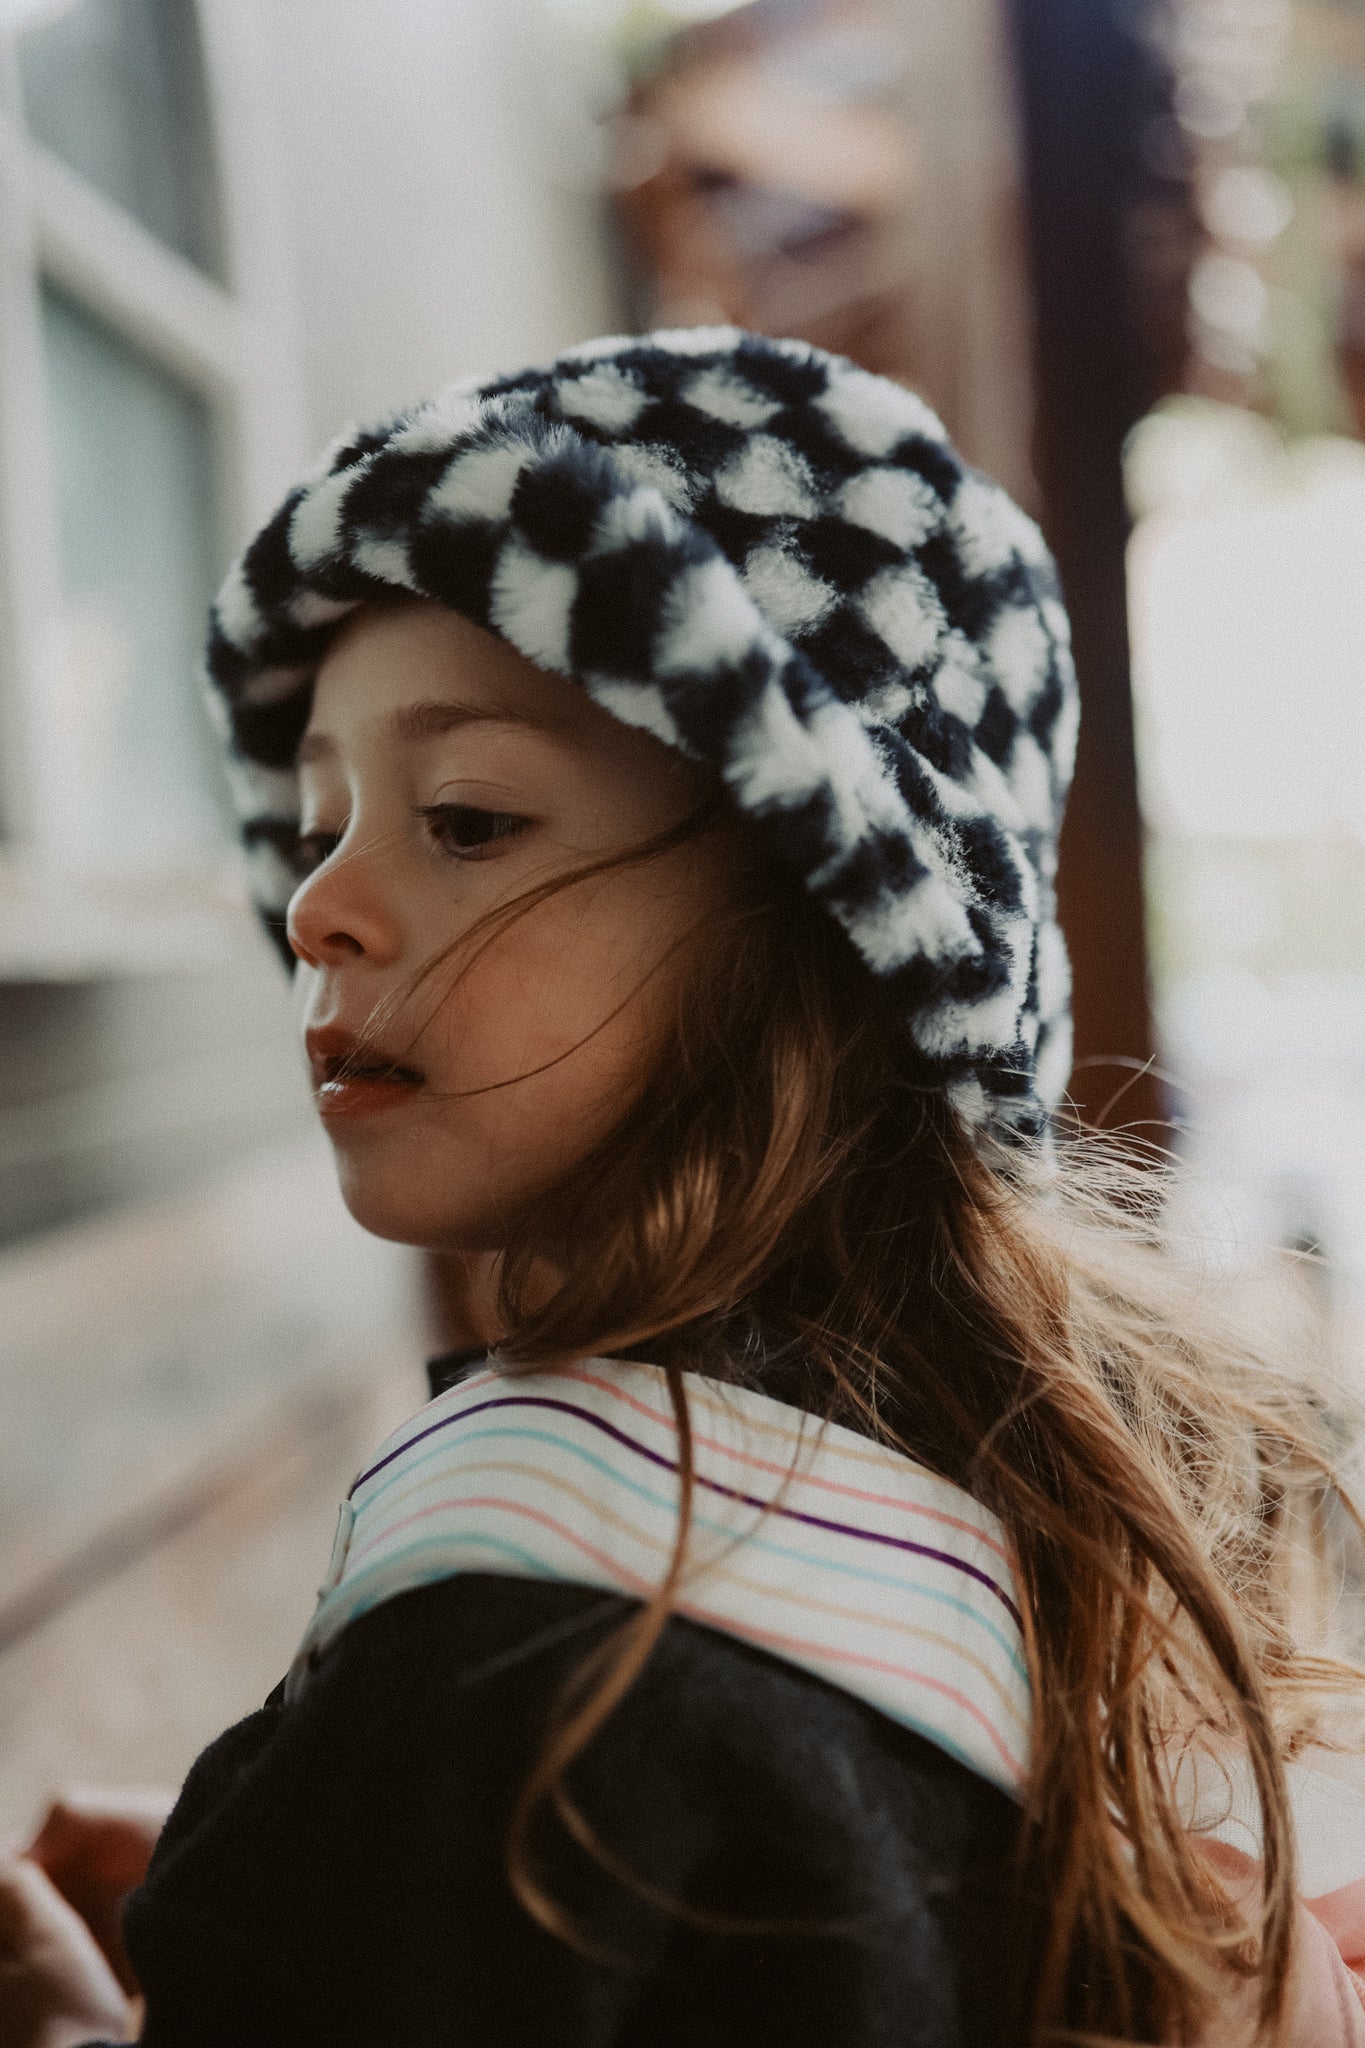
point(839, 1879)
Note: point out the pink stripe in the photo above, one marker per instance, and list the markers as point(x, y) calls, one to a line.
point(884, 1500)
point(615, 1572)
point(819, 1652)
point(402, 1443)
point(768, 1637)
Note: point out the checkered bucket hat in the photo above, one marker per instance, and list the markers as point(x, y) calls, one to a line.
point(776, 563)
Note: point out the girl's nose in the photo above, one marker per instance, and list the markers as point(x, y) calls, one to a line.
point(340, 914)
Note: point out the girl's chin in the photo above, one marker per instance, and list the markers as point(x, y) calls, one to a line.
point(394, 1207)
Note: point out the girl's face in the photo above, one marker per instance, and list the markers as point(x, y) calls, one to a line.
point(443, 775)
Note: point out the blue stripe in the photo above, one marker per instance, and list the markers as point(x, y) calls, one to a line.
point(531, 1567)
point(536, 1568)
point(669, 1506)
point(774, 1503)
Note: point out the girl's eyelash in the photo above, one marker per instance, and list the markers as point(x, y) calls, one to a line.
point(464, 831)
point(467, 831)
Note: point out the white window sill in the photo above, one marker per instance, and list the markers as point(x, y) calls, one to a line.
point(56, 927)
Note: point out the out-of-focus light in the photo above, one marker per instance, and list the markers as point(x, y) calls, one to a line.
point(1247, 204)
point(1234, 46)
point(1208, 107)
point(1191, 452)
point(1248, 620)
point(1230, 296)
point(1223, 352)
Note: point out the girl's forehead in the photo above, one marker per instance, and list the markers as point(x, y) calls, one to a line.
point(405, 674)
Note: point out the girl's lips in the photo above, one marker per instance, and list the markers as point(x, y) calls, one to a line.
point(362, 1094)
point(354, 1077)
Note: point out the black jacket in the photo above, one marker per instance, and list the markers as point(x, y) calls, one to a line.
point(334, 1870)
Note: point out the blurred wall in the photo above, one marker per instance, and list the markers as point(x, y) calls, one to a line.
point(412, 195)
point(436, 167)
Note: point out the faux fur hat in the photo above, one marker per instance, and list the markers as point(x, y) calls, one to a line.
point(776, 563)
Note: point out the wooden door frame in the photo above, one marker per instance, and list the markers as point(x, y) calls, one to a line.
point(1089, 90)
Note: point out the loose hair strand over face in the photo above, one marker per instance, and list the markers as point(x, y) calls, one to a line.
point(787, 1206)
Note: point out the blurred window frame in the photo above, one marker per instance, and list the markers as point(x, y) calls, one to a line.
point(233, 344)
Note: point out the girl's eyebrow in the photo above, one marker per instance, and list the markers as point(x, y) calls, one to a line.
point(422, 721)
point(429, 720)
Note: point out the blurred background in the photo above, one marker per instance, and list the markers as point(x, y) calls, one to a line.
point(1119, 244)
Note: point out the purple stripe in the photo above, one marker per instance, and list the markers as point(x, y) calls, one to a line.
point(957, 1564)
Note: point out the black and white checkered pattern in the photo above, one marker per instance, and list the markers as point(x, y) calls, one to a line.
point(773, 561)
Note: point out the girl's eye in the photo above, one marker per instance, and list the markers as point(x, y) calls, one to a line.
point(468, 833)
point(310, 850)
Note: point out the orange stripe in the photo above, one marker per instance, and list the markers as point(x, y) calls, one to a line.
point(614, 1571)
point(821, 1655)
point(542, 1475)
point(885, 1500)
point(816, 1651)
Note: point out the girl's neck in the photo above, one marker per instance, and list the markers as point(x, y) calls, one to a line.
point(462, 1298)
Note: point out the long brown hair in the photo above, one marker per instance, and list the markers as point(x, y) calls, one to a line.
point(785, 1204)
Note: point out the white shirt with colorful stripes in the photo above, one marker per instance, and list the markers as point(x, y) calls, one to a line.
point(808, 1540)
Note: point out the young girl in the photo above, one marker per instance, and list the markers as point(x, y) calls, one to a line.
point(849, 1589)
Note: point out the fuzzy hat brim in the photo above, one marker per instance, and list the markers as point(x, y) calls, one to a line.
point(776, 563)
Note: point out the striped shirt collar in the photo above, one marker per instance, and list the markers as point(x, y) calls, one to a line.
point(809, 1541)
